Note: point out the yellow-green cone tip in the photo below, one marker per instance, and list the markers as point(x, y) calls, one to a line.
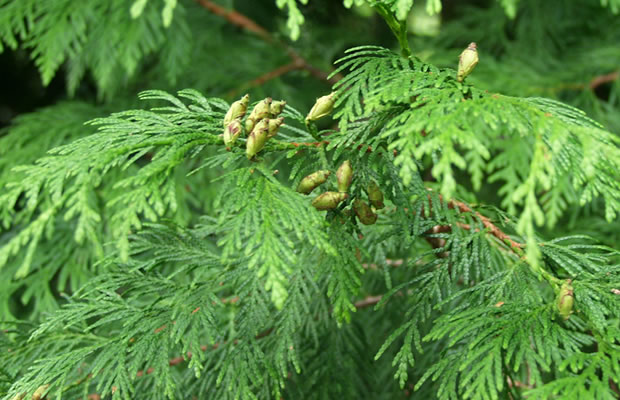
point(467, 61)
point(260, 111)
point(276, 108)
point(232, 132)
point(328, 200)
point(323, 106)
point(312, 181)
point(237, 110)
point(344, 176)
point(566, 299)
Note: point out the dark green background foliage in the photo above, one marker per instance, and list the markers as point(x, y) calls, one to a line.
point(141, 260)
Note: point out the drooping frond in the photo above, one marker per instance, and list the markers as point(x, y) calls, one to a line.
point(421, 111)
point(66, 179)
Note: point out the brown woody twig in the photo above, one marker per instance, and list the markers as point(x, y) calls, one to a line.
point(297, 61)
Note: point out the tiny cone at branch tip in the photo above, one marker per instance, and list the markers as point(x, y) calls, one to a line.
point(467, 61)
point(375, 195)
point(344, 175)
point(312, 181)
point(260, 111)
point(237, 110)
point(232, 132)
point(19, 396)
point(566, 299)
point(274, 125)
point(38, 394)
point(323, 106)
point(276, 108)
point(364, 213)
point(329, 200)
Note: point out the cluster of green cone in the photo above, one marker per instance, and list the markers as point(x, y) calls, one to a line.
point(263, 122)
point(330, 200)
point(261, 125)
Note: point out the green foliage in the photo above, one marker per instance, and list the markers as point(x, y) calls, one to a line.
point(143, 259)
point(110, 47)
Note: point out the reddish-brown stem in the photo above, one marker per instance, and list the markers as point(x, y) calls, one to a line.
point(602, 79)
point(297, 61)
point(368, 301)
point(593, 84)
point(273, 74)
point(237, 19)
point(493, 229)
point(486, 222)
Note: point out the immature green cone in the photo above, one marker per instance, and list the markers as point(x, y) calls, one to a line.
point(274, 125)
point(257, 139)
point(312, 181)
point(323, 106)
point(237, 110)
point(467, 61)
point(566, 299)
point(329, 200)
point(231, 133)
point(344, 175)
point(260, 111)
point(38, 394)
point(375, 195)
point(364, 212)
point(276, 108)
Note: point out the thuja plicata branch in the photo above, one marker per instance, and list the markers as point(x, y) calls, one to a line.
point(263, 123)
point(398, 28)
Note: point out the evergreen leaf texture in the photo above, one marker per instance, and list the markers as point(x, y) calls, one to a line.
point(409, 234)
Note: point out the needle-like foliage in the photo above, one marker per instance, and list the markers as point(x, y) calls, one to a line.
point(411, 234)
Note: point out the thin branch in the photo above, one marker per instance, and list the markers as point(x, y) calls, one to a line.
point(297, 61)
point(266, 77)
point(602, 79)
point(493, 229)
point(237, 19)
point(486, 222)
point(593, 84)
point(368, 302)
point(364, 303)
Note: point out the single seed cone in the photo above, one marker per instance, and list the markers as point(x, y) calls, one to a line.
point(38, 394)
point(323, 106)
point(344, 175)
point(274, 125)
point(276, 108)
point(329, 200)
point(364, 213)
point(312, 181)
point(467, 61)
point(232, 132)
point(237, 110)
point(260, 111)
point(257, 139)
point(566, 299)
point(375, 195)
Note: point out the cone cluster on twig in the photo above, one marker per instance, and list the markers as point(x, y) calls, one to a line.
point(261, 125)
point(365, 213)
